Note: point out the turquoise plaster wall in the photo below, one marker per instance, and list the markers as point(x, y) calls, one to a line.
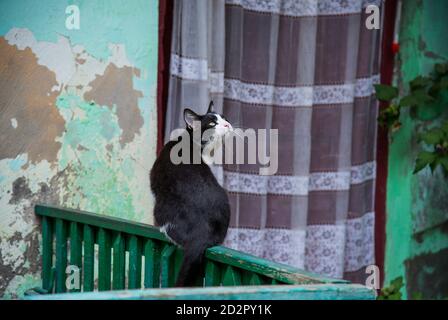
point(81, 133)
point(417, 205)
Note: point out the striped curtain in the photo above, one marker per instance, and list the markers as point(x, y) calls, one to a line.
point(306, 68)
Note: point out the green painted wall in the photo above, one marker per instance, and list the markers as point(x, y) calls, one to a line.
point(78, 119)
point(417, 205)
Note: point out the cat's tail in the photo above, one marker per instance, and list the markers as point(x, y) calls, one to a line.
point(192, 269)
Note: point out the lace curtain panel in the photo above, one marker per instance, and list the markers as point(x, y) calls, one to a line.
point(306, 68)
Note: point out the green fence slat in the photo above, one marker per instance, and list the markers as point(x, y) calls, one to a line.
point(245, 277)
point(119, 262)
point(249, 278)
point(89, 258)
point(152, 264)
point(135, 263)
point(76, 250)
point(255, 280)
point(61, 254)
point(167, 266)
point(75, 244)
point(52, 279)
point(178, 257)
point(231, 277)
point(47, 252)
point(104, 260)
point(212, 274)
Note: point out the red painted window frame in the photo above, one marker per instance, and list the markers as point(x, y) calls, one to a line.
point(382, 151)
point(163, 66)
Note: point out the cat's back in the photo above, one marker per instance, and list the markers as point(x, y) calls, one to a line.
point(182, 179)
point(188, 192)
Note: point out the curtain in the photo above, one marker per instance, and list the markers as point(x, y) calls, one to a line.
point(306, 68)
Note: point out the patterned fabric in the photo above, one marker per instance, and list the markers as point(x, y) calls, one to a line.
point(303, 8)
point(306, 68)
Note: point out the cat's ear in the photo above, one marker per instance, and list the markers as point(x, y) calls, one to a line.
point(191, 118)
point(210, 107)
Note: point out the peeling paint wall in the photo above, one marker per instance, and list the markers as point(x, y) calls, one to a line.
point(417, 205)
point(77, 119)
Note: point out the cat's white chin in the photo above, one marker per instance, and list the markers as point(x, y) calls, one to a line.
point(207, 160)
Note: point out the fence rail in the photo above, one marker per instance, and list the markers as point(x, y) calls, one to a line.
point(277, 292)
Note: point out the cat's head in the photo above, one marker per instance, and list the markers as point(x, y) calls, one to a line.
point(211, 124)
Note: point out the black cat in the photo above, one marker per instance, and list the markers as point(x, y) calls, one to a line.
point(191, 208)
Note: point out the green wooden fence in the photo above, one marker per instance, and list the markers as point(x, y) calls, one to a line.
point(117, 254)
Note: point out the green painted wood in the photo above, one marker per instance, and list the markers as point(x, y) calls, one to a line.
point(104, 260)
point(61, 254)
point(119, 262)
point(89, 258)
point(165, 257)
point(178, 259)
point(76, 248)
point(75, 244)
point(278, 271)
point(47, 252)
point(135, 263)
point(52, 279)
point(152, 264)
point(285, 292)
point(245, 277)
point(231, 277)
point(212, 274)
point(167, 277)
point(255, 280)
point(102, 221)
